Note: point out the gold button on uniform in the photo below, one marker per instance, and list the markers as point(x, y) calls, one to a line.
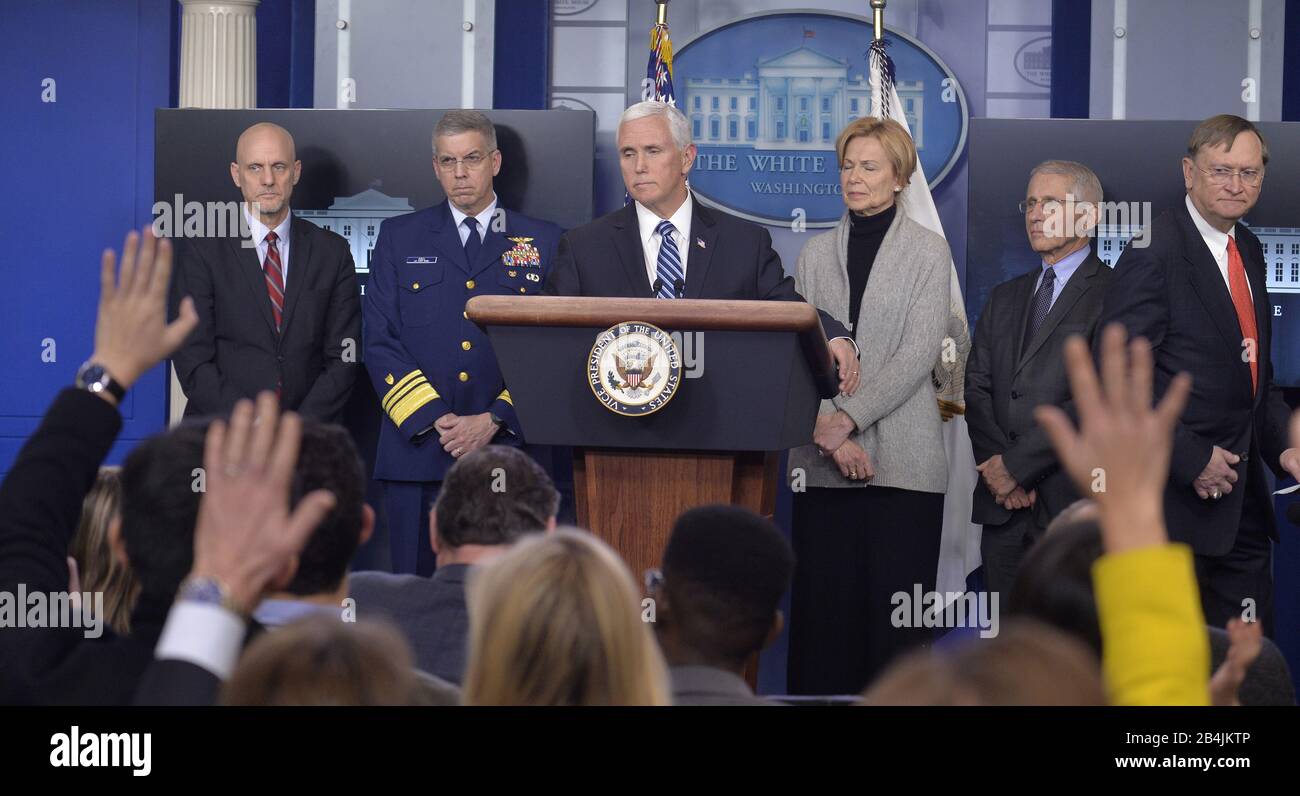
point(523, 290)
point(415, 286)
point(465, 345)
point(470, 284)
point(463, 376)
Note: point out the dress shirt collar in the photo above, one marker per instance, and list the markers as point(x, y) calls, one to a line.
point(1067, 265)
point(258, 230)
point(483, 218)
point(1216, 241)
point(648, 221)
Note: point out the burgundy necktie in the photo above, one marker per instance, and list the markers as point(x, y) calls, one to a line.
point(274, 278)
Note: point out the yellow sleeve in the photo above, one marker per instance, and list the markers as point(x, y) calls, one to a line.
point(1156, 650)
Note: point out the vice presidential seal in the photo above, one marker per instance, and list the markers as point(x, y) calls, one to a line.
point(634, 368)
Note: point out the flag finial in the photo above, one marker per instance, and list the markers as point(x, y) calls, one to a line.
point(663, 12)
point(878, 18)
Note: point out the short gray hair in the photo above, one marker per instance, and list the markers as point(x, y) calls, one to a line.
point(677, 124)
point(457, 122)
point(1083, 181)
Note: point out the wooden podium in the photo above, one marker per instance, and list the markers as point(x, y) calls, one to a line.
point(753, 376)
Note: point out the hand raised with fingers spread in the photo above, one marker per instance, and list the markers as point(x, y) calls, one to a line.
point(246, 538)
point(131, 330)
point(1122, 442)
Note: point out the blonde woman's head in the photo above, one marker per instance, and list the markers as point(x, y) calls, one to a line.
point(99, 553)
point(556, 621)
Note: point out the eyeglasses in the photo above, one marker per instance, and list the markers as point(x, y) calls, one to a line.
point(1222, 175)
point(473, 161)
point(1049, 205)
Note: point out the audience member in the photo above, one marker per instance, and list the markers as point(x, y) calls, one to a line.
point(556, 621)
point(98, 555)
point(725, 570)
point(317, 660)
point(490, 497)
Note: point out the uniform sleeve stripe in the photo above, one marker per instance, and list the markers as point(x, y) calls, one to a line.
point(410, 388)
point(409, 405)
point(391, 395)
point(505, 396)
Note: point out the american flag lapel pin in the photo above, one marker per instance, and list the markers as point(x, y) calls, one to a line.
point(700, 242)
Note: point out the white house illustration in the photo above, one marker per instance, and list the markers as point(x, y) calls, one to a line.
point(801, 99)
point(357, 219)
point(1281, 247)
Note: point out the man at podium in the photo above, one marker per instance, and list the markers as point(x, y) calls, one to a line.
point(667, 245)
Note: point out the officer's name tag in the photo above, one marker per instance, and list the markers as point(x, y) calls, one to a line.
point(420, 260)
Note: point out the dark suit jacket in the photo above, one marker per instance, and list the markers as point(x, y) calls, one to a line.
point(1172, 293)
point(729, 259)
point(40, 506)
point(235, 351)
point(1004, 383)
point(430, 612)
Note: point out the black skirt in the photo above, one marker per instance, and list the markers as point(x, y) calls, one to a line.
point(854, 549)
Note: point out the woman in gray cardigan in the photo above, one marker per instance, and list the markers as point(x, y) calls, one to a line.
point(868, 499)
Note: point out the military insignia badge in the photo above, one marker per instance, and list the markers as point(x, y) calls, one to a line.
point(523, 255)
point(634, 368)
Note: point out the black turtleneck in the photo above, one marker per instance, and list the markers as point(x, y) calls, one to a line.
point(865, 235)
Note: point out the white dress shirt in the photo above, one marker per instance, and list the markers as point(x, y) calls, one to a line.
point(651, 241)
point(1217, 243)
point(259, 230)
point(484, 218)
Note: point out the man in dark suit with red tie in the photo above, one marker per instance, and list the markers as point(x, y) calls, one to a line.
point(279, 309)
point(1197, 292)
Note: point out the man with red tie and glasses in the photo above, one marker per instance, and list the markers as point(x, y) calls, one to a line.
point(1197, 292)
point(278, 310)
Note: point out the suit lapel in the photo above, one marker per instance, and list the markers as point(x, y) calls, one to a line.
point(300, 252)
point(447, 238)
point(1023, 298)
point(248, 264)
point(1079, 283)
point(703, 231)
point(1203, 272)
point(627, 242)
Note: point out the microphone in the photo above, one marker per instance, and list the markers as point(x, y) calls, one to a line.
point(656, 287)
point(679, 287)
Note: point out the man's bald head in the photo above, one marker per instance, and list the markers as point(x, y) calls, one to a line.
point(265, 131)
point(265, 170)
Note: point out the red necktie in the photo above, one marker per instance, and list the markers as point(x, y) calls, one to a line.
point(1245, 308)
point(275, 278)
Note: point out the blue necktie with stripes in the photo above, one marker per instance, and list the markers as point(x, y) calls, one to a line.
point(669, 267)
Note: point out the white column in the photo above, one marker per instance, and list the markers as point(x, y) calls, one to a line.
point(218, 54)
point(1119, 63)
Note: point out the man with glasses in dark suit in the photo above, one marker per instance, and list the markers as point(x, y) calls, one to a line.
point(1198, 293)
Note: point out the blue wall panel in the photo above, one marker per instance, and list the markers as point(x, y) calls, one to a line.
point(81, 174)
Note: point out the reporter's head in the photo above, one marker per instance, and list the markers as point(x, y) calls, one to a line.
point(323, 661)
point(162, 482)
point(491, 497)
point(327, 459)
point(556, 621)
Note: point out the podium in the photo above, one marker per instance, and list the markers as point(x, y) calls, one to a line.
point(751, 378)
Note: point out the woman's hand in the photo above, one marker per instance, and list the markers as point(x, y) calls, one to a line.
point(832, 430)
point(853, 461)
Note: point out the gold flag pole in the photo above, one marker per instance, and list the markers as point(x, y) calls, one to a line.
point(878, 18)
point(663, 12)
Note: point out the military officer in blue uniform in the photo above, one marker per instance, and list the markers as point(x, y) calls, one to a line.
point(438, 381)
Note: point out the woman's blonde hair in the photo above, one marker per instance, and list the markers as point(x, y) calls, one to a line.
point(893, 137)
point(99, 569)
point(556, 621)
